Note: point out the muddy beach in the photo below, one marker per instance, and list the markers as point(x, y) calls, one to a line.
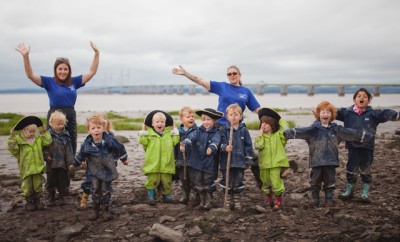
point(134, 220)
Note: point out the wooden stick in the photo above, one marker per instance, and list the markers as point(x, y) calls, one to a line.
point(184, 166)
point(228, 165)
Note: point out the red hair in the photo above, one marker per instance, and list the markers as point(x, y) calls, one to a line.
point(325, 105)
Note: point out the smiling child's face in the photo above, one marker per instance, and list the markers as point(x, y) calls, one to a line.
point(158, 123)
point(207, 121)
point(325, 116)
point(361, 101)
point(187, 119)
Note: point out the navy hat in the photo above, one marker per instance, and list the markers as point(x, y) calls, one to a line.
point(210, 113)
point(28, 120)
point(149, 118)
point(268, 112)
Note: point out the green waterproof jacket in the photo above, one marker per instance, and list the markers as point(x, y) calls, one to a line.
point(29, 156)
point(271, 149)
point(159, 157)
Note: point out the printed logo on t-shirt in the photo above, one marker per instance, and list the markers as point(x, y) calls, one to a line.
point(72, 88)
point(243, 96)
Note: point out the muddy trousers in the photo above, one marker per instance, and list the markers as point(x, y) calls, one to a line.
point(236, 175)
point(101, 192)
point(57, 179)
point(32, 186)
point(272, 181)
point(202, 181)
point(184, 178)
point(325, 175)
point(359, 161)
point(154, 180)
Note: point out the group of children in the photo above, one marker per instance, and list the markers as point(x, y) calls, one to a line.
point(195, 155)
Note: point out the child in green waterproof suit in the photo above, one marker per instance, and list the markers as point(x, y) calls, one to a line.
point(27, 147)
point(270, 144)
point(158, 141)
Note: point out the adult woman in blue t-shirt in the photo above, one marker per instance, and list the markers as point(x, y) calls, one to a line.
point(61, 88)
point(229, 93)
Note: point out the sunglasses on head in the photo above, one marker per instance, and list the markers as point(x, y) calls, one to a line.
point(232, 74)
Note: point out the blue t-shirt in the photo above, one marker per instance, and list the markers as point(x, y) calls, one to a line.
point(61, 95)
point(231, 94)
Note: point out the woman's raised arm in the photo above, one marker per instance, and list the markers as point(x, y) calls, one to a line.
point(21, 48)
point(198, 80)
point(95, 64)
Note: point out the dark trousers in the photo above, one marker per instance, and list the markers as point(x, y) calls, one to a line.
point(235, 184)
point(183, 177)
point(202, 181)
point(359, 161)
point(323, 174)
point(71, 124)
point(87, 184)
point(101, 192)
point(57, 179)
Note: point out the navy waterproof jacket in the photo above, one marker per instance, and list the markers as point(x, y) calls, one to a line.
point(242, 152)
point(198, 142)
point(59, 153)
point(367, 121)
point(101, 161)
point(177, 153)
point(323, 141)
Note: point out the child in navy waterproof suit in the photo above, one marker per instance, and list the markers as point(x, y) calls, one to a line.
point(360, 155)
point(203, 165)
point(99, 151)
point(241, 154)
point(187, 126)
point(323, 138)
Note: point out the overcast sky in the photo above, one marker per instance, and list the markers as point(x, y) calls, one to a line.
point(141, 41)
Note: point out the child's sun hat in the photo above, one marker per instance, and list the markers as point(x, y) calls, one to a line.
point(28, 120)
point(210, 113)
point(148, 121)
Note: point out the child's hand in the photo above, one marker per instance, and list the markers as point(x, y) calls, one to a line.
point(125, 162)
point(229, 148)
point(71, 168)
point(143, 127)
point(209, 151)
point(182, 147)
point(42, 129)
point(84, 165)
point(13, 132)
point(261, 131)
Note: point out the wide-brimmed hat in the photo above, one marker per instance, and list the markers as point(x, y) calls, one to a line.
point(149, 118)
point(28, 120)
point(210, 113)
point(268, 112)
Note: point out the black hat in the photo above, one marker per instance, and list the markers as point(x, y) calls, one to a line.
point(210, 113)
point(268, 112)
point(28, 120)
point(149, 118)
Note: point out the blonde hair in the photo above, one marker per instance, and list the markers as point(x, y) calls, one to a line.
point(103, 115)
point(234, 107)
point(325, 105)
point(159, 115)
point(185, 109)
point(57, 116)
point(96, 119)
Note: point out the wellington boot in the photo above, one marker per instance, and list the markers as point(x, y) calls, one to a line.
point(84, 200)
point(61, 201)
point(278, 203)
point(195, 199)
point(236, 202)
point(169, 199)
point(207, 201)
point(94, 215)
point(106, 213)
point(365, 191)
point(151, 194)
point(269, 200)
point(314, 202)
point(185, 196)
point(328, 199)
point(51, 199)
point(38, 204)
point(30, 204)
point(349, 191)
